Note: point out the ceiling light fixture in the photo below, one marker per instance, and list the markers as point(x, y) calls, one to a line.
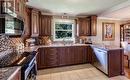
point(64, 16)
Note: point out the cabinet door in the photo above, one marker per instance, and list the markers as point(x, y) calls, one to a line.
point(81, 31)
point(41, 58)
point(63, 56)
point(17, 6)
point(27, 22)
point(20, 7)
point(84, 26)
point(45, 25)
point(79, 55)
point(35, 23)
point(93, 25)
point(51, 57)
point(71, 55)
point(89, 54)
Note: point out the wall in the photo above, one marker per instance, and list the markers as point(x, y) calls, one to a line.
point(98, 38)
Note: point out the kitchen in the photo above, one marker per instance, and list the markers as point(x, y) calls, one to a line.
point(62, 40)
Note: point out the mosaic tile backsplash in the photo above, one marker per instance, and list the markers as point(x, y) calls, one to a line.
point(5, 43)
point(7, 52)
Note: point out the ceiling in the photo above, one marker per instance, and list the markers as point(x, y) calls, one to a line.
point(103, 8)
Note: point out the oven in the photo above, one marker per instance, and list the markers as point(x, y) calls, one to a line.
point(28, 66)
point(30, 70)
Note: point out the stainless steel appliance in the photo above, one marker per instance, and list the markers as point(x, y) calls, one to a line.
point(101, 59)
point(28, 64)
point(10, 23)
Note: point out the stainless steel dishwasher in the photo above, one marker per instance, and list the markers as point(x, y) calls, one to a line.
point(101, 59)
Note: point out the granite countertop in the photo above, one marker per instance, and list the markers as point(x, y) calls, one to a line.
point(8, 72)
point(107, 47)
point(35, 48)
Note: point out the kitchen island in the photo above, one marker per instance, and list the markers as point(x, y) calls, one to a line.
point(108, 59)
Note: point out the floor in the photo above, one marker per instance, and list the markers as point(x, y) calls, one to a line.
point(77, 72)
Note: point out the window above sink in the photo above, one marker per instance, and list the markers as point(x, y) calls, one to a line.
point(64, 29)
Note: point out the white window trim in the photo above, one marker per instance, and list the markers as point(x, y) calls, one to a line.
point(64, 21)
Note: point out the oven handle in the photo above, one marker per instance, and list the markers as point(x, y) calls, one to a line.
point(32, 61)
point(27, 71)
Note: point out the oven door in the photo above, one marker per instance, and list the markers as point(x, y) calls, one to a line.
point(31, 72)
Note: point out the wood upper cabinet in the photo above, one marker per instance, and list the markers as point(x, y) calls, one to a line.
point(87, 26)
point(84, 26)
point(20, 6)
point(93, 20)
point(45, 25)
point(27, 22)
point(34, 23)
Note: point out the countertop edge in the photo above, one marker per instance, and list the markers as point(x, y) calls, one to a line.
point(35, 48)
point(13, 74)
point(107, 48)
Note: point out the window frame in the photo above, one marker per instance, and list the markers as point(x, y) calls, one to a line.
point(64, 21)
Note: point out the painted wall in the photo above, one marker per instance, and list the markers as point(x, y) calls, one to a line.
point(98, 38)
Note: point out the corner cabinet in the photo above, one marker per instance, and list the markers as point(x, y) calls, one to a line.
point(35, 23)
point(87, 26)
point(84, 26)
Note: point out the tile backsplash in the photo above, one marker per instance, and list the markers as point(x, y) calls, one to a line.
point(5, 43)
point(8, 52)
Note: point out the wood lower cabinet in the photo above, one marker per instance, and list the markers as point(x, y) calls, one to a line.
point(47, 57)
point(89, 54)
point(39, 58)
point(115, 63)
point(62, 56)
point(51, 57)
point(80, 55)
